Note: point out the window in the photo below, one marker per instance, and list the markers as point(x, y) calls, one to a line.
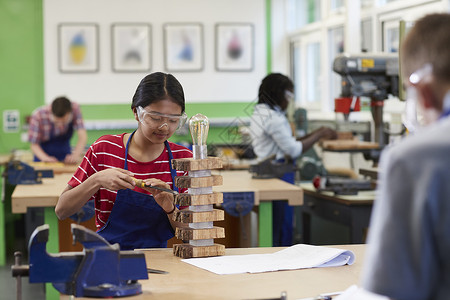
point(391, 36)
point(336, 42)
point(366, 36)
point(366, 3)
point(306, 71)
point(313, 78)
point(302, 12)
point(336, 4)
point(296, 54)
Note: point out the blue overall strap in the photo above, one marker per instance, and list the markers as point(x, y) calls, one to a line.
point(173, 172)
point(125, 166)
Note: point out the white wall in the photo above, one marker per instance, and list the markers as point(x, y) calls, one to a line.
point(279, 38)
point(106, 87)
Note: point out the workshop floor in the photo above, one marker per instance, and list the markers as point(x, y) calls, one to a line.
point(8, 285)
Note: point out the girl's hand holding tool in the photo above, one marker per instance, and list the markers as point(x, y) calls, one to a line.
point(161, 191)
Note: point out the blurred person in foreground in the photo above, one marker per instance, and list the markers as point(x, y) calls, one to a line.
point(409, 237)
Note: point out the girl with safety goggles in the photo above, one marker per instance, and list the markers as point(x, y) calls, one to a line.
point(127, 214)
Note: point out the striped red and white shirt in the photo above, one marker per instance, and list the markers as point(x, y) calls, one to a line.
point(109, 152)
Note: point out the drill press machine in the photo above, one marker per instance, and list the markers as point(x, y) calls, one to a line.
point(367, 75)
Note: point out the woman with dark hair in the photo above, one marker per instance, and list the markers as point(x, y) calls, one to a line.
point(124, 213)
point(272, 135)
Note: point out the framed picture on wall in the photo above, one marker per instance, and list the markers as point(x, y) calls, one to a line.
point(78, 47)
point(234, 47)
point(391, 35)
point(183, 47)
point(131, 47)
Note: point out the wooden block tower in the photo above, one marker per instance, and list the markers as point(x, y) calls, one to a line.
point(199, 232)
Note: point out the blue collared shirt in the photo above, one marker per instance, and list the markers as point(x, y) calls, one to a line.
point(409, 237)
point(271, 134)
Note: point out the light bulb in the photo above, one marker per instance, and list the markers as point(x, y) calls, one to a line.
point(199, 127)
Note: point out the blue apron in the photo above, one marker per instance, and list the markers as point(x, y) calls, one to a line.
point(446, 113)
point(136, 219)
point(57, 146)
point(283, 217)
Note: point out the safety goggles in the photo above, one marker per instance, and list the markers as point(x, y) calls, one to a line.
point(414, 116)
point(158, 120)
point(290, 96)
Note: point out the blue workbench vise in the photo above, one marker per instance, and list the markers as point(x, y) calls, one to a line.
point(18, 172)
point(101, 270)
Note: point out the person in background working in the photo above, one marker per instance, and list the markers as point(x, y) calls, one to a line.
point(271, 134)
point(124, 213)
point(409, 237)
point(50, 129)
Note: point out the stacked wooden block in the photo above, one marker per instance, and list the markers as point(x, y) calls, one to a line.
point(199, 233)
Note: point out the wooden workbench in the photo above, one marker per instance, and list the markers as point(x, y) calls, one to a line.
point(46, 195)
point(185, 281)
point(57, 167)
point(265, 189)
point(265, 192)
point(39, 195)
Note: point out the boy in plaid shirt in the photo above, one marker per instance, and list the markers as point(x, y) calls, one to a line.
point(51, 128)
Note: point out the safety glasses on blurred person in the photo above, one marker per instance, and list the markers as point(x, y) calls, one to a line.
point(415, 116)
point(157, 120)
point(290, 96)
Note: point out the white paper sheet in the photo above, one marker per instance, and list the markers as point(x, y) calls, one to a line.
point(299, 256)
point(357, 293)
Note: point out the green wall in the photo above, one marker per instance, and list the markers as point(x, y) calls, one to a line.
point(21, 63)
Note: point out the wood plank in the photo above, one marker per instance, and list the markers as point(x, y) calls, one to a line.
point(348, 145)
point(190, 164)
point(185, 233)
point(198, 182)
point(344, 135)
point(57, 167)
point(189, 251)
point(188, 216)
point(203, 199)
